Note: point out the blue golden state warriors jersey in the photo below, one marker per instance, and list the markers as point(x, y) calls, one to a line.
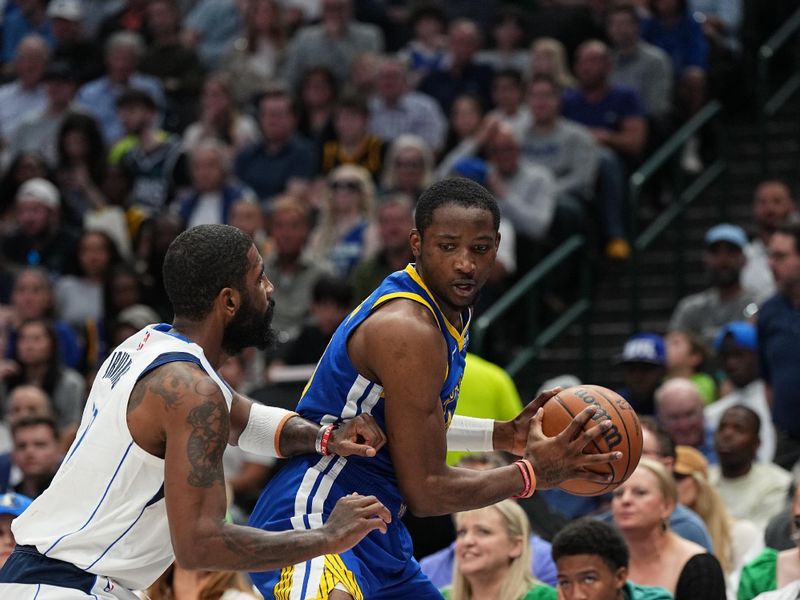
point(302, 494)
point(336, 391)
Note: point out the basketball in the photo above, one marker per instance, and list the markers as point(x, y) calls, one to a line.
point(625, 434)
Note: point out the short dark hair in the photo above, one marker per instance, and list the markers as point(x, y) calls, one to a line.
point(512, 74)
point(136, 97)
point(590, 536)
point(624, 8)
point(427, 11)
point(454, 190)
point(202, 261)
point(755, 420)
point(548, 79)
point(274, 92)
point(792, 230)
point(333, 289)
point(353, 102)
point(666, 447)
point(28, 422)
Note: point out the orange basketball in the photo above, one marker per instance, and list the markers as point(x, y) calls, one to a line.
point(624, 436)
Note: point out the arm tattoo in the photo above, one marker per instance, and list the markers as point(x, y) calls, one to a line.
point(206, 443)
point(169, 384)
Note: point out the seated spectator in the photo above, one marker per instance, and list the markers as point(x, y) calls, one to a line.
point(395, 110)
point(23, 402)
point(37, 454)
point(23, 166)
point(679, 410)
point(32, 297)
point(246, 214)
point(750, 490)
point(773, 205)
point(122, 287)
point(99, 97)
point(130, 321)
point(219, 117)
point(508, 95)
point(409, 166)
point(772, 569)
point(346, 233)
point(281, 156)
point(177, 67)
point(469, 131)
point(726, 300)
point(73, 45)
point(427, 49)
point(641, 508)
point(395, 221)
point(316, 100)
point(29, 18)
point(292, 271)
point(737, 349)
point(592, 560)
point(493, 556)
point(254, 59)
point(36, 354)
point(11, 506)
point(208, 585)
point(39, 126)
point(79, 296)
point(211, 26)
point(334, 43)
point(212, 193)
point(331, 302)
point(639, 65)
point(26, 92)
point(461, 74)
point(353, 144)
point(549, 59)
point(508, 34)
point(127, 15)
point(155, 163)
point(643, 362)
point(40, 239)
point(687, 355)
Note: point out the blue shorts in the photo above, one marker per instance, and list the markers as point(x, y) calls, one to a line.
point(381, 566)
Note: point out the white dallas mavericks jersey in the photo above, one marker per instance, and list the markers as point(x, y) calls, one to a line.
point(104, 511)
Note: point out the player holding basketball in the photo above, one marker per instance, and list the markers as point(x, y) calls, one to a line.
point(143, 483)
point(399, 357)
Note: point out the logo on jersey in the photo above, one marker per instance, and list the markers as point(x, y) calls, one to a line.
point(119, 364)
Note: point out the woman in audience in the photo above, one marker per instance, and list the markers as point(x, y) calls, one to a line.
point(773, 570)
point(408, 166)
point(36, 354)
point(641, 507)
point(179, 584)
point(509, 36)
point(347, 232)
point(254, 59)
point(493, 556)
point(548, 57)
point(466, 117)
point(316, 98)
point(24, 166)
point(219, 118)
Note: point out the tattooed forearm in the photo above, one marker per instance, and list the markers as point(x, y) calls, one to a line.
point(209, 422)
point(298, 437)
point(257, 550)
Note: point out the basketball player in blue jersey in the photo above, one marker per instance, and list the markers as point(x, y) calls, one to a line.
point(143, 485)
point(399, 357)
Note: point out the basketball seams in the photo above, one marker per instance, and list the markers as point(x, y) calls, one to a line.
point(624, 425)
point(599, 451)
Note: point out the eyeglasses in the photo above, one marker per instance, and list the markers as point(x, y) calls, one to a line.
point(346, 184)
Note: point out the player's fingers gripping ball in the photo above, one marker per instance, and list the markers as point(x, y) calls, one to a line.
point(624, 435)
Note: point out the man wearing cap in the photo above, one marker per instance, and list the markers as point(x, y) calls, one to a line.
point(737, 348)
point(11, 506)
point(726, 300)
point(40, 239)
point(778, 324)
point(71, 44)
point(38, 130)
point(643, 361)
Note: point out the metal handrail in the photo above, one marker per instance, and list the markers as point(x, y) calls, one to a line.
point(769, 105)
point(522, 289)
point(640, 242)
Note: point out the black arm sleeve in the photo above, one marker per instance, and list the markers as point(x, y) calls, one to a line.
point(701, 579)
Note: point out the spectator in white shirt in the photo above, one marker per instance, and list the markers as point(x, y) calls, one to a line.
point(27, 91)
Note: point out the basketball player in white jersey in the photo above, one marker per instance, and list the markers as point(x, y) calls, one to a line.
point(143, 484)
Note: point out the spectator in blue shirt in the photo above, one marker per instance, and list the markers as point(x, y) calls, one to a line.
point(31, 17)
point(267, 166)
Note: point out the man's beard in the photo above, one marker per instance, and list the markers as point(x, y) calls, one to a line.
point(249, 328)
point(724, 277)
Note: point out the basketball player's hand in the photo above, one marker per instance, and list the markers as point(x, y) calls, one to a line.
point(556, 459)
point(359, 436)
point(512, 436)
point(352, 518)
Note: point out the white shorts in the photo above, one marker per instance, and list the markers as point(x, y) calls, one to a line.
point(104, 589)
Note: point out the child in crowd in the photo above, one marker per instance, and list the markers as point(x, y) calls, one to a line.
point(686, 357)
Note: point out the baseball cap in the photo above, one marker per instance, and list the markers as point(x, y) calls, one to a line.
point(13, 504)
point(644, 348)
point(725, 232)
point(39, 190)
point(472, 168)
point(71, 10)
point(137, 316)
point(690, 460)
point(742, 332)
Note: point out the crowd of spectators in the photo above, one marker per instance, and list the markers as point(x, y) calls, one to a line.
point(313, 126)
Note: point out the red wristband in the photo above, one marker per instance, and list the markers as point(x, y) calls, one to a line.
point(528, 477)
point(326, 435)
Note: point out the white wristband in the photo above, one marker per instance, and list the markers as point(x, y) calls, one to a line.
point(470, 434)
point(262, 433)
